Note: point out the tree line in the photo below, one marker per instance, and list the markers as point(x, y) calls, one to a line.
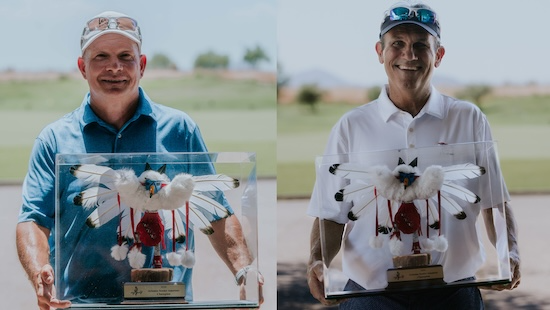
point(212, 60)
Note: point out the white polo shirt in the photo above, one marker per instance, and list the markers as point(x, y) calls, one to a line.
point(379, 126)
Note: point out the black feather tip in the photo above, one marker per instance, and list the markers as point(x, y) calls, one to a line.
point(460, 215)
point(77, 200)
point(339, 196)
point(435, 225)
point(73, 169)
point(90, 223)
point(482, 169)
point(180, 239)
point(478, 199)
point(333, 168)
point(236, 183)
point(352, 216)
point(207, 230)
point(383, 229)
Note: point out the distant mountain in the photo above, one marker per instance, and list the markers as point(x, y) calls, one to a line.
point(325, 79)
point(322, 78)
point(441, 80)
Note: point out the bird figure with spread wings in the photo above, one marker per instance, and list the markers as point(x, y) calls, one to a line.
point(146, 204)
point(409, 194)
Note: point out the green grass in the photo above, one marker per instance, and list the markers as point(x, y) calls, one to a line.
point(211, 93)
point(233, 115)
point(295, 179)
point(521, 127)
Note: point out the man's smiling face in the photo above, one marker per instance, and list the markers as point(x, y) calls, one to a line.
point(112, 65)
point(409, 54)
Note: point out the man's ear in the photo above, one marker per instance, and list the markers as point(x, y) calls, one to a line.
point(142, 64)
point(439, 55)
point(81, 66)
point(379, 51)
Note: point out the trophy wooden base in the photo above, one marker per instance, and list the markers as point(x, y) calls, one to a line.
point(151, 275)
point(151, 285)
point(414, 271)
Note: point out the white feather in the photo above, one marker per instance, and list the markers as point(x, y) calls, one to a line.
point(214, 182)
point(198, 219)
point(166, 217)
point(94, 174)
point(460, 192)
point(433, 215)
point(126, 221)
point(355, 171)
point(463, 171)
point(103, 214)
point(208, 206)
point(452, 207)
point(360, 205)
point(94, 196)
point(356, 190)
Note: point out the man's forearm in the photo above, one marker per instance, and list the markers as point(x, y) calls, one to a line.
point(511, 227)
point(333, 239)
point(229, 242)
point(32, 247)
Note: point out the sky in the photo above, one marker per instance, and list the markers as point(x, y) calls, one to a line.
point(486, 41)
point(44, 35)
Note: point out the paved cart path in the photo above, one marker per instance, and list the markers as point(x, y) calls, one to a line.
point(533, 217)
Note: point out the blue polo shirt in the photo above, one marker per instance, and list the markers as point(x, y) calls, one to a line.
point(88, 273)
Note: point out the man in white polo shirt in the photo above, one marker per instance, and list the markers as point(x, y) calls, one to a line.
point(409, 113)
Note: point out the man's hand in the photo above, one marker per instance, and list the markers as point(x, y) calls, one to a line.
point(45, 290)
point(242, 288)
point(316, 284)
point(516, 277)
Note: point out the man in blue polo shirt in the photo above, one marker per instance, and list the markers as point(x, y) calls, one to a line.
point(116, 116)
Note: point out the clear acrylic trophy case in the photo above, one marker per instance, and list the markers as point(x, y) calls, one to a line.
point(414, 218)
point(102, 236)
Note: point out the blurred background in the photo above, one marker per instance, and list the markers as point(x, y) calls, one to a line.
point(214, 60)
point(495, 57)
point(280, 73)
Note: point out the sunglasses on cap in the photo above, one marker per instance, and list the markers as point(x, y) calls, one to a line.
point(97, 25)
point(420, 14)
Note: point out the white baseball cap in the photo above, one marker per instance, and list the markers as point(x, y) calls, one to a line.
point(110, 22)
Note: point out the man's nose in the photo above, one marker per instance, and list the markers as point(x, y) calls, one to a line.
point(115, 65)
point(409, 53)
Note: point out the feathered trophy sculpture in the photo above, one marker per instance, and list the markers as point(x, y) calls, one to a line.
point(407, 192)
point(145, 205)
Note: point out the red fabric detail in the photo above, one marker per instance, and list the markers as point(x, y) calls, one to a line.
point(157, 261)
point(150, 229)
point(407, 219)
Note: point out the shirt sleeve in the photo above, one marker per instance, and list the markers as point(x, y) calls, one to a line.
point(39, 187)
point(323, 203)
point(493, 187)
point(198, 145)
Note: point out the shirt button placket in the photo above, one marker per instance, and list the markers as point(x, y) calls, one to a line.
point(410, 137)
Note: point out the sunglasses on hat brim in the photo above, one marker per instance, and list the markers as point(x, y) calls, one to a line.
point(422, 15)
